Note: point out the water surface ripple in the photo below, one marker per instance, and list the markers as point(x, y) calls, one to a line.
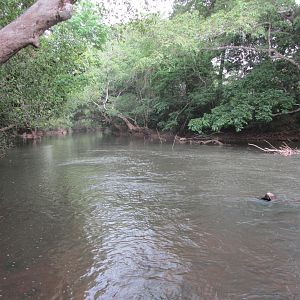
point(93, 217)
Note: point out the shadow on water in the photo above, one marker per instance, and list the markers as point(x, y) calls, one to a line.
point(93, 217)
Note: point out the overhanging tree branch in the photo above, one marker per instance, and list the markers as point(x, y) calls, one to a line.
point(275, 53)
point(27, 28)
point(287, 112)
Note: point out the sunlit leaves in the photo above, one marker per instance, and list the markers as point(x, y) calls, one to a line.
point(86, 24)
point(11, 9)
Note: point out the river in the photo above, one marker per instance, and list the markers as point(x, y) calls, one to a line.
point(96, 217)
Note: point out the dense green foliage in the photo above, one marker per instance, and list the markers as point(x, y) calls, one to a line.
point(212, 65)
point(265, 91)
point(35, 84)
point(209, 67)
point(11, 9)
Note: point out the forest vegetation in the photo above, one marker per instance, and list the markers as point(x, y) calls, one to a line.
point(213, 65)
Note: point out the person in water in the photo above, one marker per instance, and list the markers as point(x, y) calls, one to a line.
point(268, 197)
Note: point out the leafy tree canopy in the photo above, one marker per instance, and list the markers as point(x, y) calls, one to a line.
point(212, 65)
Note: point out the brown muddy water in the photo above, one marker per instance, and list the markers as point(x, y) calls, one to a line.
point(94, 217)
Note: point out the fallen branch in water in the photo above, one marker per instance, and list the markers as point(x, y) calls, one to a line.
point(284, 150)
point(195, 140)
point(214, 142)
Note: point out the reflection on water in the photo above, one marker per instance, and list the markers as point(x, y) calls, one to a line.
point(93, 217)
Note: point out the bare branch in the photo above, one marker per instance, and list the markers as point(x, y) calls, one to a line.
point(106, 95)
point(269, 40)
point(284, 150)
point(276, 54)
point(286, 113)
point(97, 104)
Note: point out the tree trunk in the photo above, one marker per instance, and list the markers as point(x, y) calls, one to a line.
point(27, 28)
point(129, 125)
point(220, 77)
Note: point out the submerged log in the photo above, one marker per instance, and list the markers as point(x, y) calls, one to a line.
point(196, 140)
point(214, 142)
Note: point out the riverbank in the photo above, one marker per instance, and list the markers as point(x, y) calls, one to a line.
point(37, 134)
point(217, 138)
point(291, 137)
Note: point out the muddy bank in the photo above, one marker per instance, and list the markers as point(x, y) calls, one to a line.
point(151, 135)
point(215, 138)
point(37, 134)
point(246, 137)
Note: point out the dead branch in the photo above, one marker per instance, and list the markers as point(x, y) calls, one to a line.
point(287, 113)
point(106, 96)
point(214, 142)
point(275, 54)
point(284, 150)
point(195, 140)
point(270, 144)
point(269, 40)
